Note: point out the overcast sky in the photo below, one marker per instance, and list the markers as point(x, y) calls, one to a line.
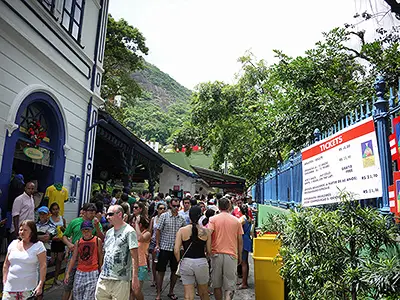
point(200, 40)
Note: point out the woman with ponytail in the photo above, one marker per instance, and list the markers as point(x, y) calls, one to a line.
point(209, 213)
point(247, 244)
point(196, 241)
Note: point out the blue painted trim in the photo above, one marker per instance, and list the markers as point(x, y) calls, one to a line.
point(49, 42)
point(103, 30)
point(86, 178)
point(55, 119)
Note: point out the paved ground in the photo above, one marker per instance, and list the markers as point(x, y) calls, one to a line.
point(55, 293)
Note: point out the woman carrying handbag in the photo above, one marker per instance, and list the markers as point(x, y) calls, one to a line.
point(193, 267)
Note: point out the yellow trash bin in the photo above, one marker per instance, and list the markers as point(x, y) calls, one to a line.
point(269, 284)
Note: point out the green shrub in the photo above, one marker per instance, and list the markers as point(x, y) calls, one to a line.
point(347, 253)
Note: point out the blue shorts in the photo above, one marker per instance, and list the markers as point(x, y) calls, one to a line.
point(143, 273)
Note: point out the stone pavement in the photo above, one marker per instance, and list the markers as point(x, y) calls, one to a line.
point(55, 293)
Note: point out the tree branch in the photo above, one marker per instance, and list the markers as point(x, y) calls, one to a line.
point(394, 6)
point(357, 54)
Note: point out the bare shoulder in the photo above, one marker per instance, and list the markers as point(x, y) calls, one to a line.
point(202, 232)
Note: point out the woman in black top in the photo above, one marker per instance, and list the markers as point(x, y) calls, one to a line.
point(196, 242)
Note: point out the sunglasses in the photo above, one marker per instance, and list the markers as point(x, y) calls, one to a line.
point(175, 206)
point(162, 208)
point(136, 207)
point(110, 214)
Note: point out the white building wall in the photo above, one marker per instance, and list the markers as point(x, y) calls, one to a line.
point(27, 58)
point(170, 177)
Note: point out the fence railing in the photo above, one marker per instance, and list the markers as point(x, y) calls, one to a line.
point(283, 186)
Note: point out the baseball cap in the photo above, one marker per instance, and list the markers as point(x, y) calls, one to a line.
point(43, 209)
point(211, 201)
point(87, 225)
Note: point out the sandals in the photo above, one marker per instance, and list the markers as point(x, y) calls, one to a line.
point(172, 296)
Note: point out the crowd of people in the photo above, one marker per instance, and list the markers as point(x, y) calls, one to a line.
point(119, 240)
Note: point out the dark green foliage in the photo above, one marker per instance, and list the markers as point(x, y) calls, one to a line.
point(124, 50)
point(348, 253)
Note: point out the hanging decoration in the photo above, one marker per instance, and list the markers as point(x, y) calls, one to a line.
point(36, 132)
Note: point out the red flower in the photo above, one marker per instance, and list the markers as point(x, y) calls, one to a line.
point(36, 132)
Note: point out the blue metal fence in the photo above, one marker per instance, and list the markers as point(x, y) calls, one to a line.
point(283, 186)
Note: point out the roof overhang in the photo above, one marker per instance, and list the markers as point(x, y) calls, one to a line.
point(122, 154)
point(220, 180)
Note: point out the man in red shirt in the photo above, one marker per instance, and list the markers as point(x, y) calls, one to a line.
point(236, 212)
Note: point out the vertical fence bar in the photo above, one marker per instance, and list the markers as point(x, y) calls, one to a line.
point(262, 189)
point(291, 179)
point(317, 135)
point(391, 104)
point(368, 111)
point(362, 112)
point(381, 121)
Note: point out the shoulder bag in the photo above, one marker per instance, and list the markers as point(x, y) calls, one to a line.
point(178, 270)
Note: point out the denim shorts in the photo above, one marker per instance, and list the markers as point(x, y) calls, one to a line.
point(143, 273)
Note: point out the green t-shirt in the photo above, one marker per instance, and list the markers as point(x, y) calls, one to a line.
point(131, 200)
point(74, 229)
point(117, 255)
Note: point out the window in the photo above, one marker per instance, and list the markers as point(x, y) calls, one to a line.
point(72, 17)
point(48, 4)
point(32, 113)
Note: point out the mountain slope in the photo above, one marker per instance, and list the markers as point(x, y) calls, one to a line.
point(163, 107)
point(160, 87)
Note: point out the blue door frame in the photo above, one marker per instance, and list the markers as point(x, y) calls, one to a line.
point(55, 121)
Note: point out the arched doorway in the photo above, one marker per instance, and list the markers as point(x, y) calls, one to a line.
point(38, 158)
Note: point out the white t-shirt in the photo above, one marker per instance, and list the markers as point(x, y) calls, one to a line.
point(185, 215)
point(23, 271)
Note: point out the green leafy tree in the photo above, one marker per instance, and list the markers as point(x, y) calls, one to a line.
point(124, 50)
point(273, 109)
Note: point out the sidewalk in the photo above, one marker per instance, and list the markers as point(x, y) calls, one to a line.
point(55, 293)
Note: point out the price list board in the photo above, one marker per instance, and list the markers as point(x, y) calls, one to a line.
point(348, 160)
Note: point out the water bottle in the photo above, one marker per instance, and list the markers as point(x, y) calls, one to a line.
point(156, 258)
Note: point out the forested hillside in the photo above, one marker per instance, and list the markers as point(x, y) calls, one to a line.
point(153, 105)
point(164, 90)
point(162, 108)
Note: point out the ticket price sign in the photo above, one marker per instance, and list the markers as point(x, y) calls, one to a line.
point(348, 160)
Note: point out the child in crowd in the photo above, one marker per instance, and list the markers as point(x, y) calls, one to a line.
point(45, 229)
point(57, 245)
point(89, 252)
point(143, 236)
point(209, 213)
